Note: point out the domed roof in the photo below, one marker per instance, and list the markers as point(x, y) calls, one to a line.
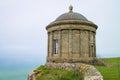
point(71, 16)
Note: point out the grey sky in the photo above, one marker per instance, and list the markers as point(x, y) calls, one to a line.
point(22, 26)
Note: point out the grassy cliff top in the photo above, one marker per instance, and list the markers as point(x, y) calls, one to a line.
point(109, 73)
point(112, 72)
point(56, 74)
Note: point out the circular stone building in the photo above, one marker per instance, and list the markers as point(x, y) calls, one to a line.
point(71, 38)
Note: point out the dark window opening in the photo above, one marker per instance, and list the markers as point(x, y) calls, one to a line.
point(56, 46)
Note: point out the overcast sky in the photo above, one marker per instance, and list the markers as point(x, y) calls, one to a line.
point(22, 26)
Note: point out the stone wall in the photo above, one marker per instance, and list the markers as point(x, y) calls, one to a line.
point(89, 71)
point(74, 42)
point(31, 76)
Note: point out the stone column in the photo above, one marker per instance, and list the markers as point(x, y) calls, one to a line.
point(51, 44)
point(48, 43)
point(89, 43)
point(59, 43)
point(80, 44)
point(70, 43)
point(94, 44)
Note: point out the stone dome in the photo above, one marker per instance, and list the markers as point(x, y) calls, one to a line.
point(71, 16)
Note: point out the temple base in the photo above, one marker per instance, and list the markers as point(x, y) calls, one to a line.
point(87, 60)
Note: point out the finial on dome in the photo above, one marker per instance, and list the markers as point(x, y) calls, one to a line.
point(70, 8)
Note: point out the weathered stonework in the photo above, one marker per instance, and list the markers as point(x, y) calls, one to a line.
point(76, 41)
point(89, 71)
point(71, 38)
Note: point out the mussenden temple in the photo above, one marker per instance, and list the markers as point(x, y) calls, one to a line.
point(72, 46)
point(71, 38)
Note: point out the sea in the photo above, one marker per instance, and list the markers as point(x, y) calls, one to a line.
point(17, 70)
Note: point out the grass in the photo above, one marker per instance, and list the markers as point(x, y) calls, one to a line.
point(109, 73)
point(57, 74)
point(112, 72)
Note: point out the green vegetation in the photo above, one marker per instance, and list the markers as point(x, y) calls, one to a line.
point(112, 72)
point(57, 74)
point(109, 73)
